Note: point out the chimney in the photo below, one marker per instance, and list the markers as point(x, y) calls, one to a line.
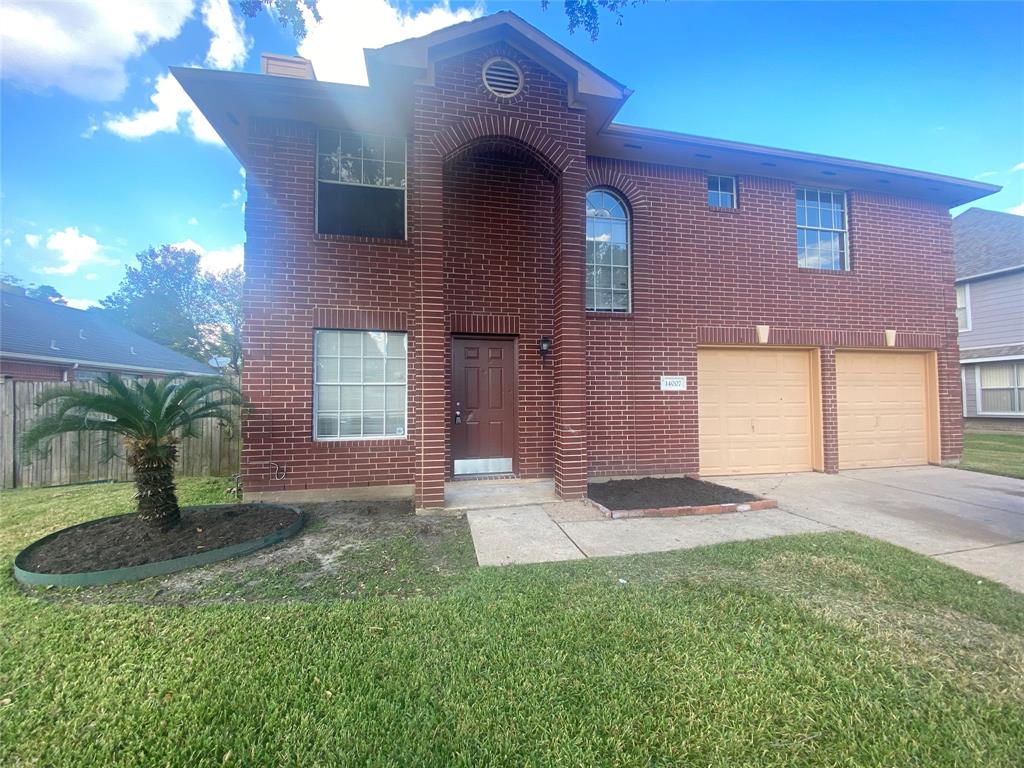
point(287, 66)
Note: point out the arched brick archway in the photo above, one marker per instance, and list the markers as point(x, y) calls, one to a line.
point(567, 169)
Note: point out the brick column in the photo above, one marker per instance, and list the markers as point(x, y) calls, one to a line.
point(951, 423)
point(570, 385)
point(430, 342)
point(829, 411)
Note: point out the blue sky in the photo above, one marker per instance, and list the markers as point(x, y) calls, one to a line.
point(101, 156)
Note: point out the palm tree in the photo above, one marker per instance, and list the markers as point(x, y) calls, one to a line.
point(149, 417)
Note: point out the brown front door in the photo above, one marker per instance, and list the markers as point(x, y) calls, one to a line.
point(483, 405)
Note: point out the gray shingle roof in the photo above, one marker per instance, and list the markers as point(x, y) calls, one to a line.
point(42, 329)
point(987, 241)
point(982, 353)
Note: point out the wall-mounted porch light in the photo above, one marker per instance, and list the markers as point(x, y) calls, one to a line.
point(544, 347)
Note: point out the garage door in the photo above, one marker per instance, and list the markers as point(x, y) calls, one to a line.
point(882, 407)
point(755, 410)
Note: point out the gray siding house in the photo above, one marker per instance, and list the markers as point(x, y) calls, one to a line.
point(989, 249)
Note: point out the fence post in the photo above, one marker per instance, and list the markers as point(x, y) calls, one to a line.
point(7, 447)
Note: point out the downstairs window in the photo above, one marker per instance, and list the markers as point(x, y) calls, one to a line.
point(1001, 388)
point(360, 184)
point(359, 385)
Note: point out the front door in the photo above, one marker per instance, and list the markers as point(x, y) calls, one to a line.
point(483, 405)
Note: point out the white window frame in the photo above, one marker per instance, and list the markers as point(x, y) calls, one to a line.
point(967, 307)
point(629, 254)
point(1018, 367)
point(404, 187)
point(316, 384)
point(845, 231)
point(735, 190)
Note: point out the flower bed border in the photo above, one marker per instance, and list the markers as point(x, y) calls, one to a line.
point(158, 568)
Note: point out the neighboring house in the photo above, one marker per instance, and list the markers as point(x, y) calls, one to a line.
point(989, 250)
point(467, 268)
point(43, 341)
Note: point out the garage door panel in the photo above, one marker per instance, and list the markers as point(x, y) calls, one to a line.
point(882, 409)
point(754, 411)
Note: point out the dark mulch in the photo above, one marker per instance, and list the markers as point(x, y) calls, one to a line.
point(658, 492)
point(120, 542)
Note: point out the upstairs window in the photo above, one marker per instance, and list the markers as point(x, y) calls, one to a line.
point(721, 191)
point(963, 307)
point(821, 230)
point(608, 267)
point(360, 184)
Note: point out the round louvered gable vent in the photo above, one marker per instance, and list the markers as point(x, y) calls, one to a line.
point(503, 78)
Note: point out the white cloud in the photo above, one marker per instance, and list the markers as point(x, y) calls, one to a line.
point(91, 276)
point(33, 240)
point(7, 242)
point(986, 175)
point(193, 221)
point(76, 251)
point(1017, 167)
point(1017, 209)
point(170, 106)
point(215, 260)
point(335, 45)
point(82, 47)
point(81, 303)
point(229, 46)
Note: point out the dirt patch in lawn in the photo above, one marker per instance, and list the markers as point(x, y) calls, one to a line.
point(658, 492)
point(124, 541)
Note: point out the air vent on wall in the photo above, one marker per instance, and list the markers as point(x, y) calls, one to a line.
point(503, 78)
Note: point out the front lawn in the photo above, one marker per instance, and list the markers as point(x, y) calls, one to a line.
point(995, 453)
point(828, 649)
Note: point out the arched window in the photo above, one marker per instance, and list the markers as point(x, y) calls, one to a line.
point(608, 263)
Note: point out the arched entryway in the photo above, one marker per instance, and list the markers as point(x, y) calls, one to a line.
point(501, 220)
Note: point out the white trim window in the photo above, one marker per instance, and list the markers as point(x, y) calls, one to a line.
point(721, 191)
point(359, 384)
point(963, 307)
point(821, 230)
point(608, 259)
point(360, 188)
point(1001, 389)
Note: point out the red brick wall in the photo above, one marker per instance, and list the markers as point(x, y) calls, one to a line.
point(699, 267)
point(495, 244)
point(26, 371)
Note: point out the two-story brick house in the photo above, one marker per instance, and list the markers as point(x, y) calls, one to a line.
point(988, 249)
point(468, 268)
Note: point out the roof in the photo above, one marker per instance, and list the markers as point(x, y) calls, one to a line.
point(1006, 352)
point(230, 99)
point(987, 242)
point(33, 329)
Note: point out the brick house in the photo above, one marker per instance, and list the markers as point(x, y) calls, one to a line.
point(468, 268)
point(44, 341)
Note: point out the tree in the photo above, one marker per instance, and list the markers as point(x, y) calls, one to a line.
point(146, 417)
point(226, 301)
point(580, 13)
point(168, 298)
point(46, 293)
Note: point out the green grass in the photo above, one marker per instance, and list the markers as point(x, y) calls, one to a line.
point(823, 650)
point(995, 453)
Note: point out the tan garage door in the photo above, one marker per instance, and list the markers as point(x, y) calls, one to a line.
point(755, 410)
point(882, 406)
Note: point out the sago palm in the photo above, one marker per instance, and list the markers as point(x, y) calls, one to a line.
point(149, 418)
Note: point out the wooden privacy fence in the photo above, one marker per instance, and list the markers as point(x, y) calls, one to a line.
point(78, 458)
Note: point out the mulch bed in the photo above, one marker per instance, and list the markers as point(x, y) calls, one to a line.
point(658, 492)
point(124, 541)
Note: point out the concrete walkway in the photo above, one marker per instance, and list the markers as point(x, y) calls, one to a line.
point(971, 520)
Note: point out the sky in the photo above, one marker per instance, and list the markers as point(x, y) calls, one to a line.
point(102, 155)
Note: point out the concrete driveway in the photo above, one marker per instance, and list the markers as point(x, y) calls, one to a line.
point(968, 519)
